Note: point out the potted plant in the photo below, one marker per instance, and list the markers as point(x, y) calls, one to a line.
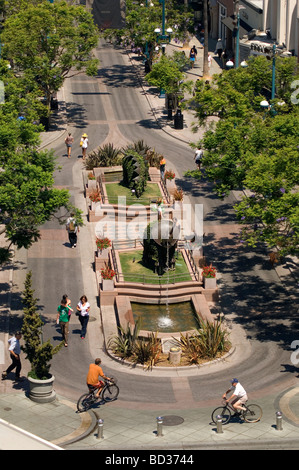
point(91, 176)
point(107, 274)
point(169, 180)
point(169, 175)
point(38, 353)
point(103, 245)
point(94, 197)
point(178, 195)
point(209, 277)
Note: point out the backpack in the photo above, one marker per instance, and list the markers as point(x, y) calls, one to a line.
point(72, 227)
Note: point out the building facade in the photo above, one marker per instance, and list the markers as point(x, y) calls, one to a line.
point(271, 21)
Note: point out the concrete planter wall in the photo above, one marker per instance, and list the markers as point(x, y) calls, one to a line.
point(107, 284)
point(210, 282)
point(41, 391)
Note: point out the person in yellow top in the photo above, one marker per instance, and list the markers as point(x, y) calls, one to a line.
point(92, 379)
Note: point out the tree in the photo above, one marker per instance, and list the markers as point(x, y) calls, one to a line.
point(38, 353)
point(50, 42)
point(27, 195)
point(167, 75)
point(255, 151)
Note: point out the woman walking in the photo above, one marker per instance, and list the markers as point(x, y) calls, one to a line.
point(63, 318)
point(84, 145)
point(69, 142)
point(83, 308)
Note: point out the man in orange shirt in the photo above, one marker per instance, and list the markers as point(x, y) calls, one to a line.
point(92, 378)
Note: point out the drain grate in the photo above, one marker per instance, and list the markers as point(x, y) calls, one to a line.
point(172, 420)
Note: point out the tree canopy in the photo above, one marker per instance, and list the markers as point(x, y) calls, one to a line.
point(28, 197)
point(49, 42)
point(254, 150)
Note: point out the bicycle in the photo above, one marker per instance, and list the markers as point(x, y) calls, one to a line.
point(108, 393)
point(252, 414)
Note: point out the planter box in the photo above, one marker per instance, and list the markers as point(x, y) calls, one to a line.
point(210, 282)
point(41, 391)
point(103, 254)
point(107, 284)
point(170, 184)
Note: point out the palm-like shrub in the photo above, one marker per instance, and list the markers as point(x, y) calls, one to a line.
point(210, 340)
point(123, 344)
point(147, 351)
point(104, 156)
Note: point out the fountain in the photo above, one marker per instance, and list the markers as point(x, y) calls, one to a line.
point(160, 245)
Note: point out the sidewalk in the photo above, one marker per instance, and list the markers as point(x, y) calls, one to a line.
point(59, 426)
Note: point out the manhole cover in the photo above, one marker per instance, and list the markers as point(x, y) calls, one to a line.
point(172, 420)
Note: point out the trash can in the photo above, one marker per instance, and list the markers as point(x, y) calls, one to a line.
point(147, 67)
point(178, 120)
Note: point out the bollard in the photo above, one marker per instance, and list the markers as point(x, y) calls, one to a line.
point(219, 425)
point(159, 426)
point(100, 429)
point(278, 421)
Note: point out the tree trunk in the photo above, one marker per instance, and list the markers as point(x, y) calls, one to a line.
point(206, 39)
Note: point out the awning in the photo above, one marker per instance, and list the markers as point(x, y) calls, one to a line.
point(244, 27)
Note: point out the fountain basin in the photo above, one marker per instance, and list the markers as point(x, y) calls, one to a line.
point(166, 317)
point(197, 306)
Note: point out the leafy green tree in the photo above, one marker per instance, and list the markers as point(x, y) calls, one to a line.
point(38, 353)
point(142, 18)
point(167, 75)
point(50, 42)
point(254, 150)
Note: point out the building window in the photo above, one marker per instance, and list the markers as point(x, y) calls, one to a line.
point(221, 28)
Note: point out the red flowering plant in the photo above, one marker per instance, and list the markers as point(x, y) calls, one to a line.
point(209, 271)
point(107, 272)
point(169, 175)
point(103, 243)
point(91, 176)
point(95, 196)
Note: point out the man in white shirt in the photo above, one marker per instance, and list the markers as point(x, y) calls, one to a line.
point(198, 156)
point(239, 396)
point(15, 351)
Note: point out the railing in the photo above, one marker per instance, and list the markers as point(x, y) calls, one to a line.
point(165, 191)
point(192, 264)
point(167, 278)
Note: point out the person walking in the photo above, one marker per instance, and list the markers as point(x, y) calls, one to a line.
point(198, 156)
point(68, 302)
point(72, 229)
point(219, 48)
point(14, 351)
point(84, 145)
point(63, 318)
point(83, 308)
point(192, 57)
point(162, 167)
point(69, 142)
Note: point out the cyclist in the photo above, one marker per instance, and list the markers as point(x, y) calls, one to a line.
point(92, 378)
point(238, 397)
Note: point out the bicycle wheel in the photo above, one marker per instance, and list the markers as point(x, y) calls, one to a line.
point(222, 411)
point(253, 414)
point(85, 402)
point(110, 392)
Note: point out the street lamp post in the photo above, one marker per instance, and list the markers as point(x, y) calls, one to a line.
point(240, 7)
point(163, 37)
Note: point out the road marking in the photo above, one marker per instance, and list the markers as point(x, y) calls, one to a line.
point(285, 407)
